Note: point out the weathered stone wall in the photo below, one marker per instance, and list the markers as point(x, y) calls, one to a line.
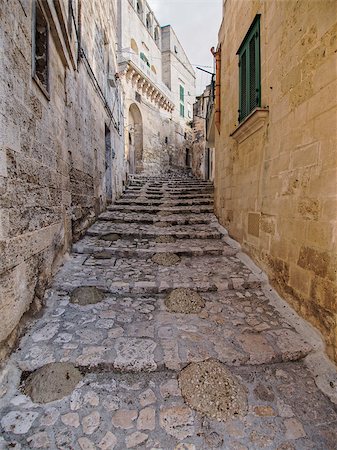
point(276, 189)
point(199, 135)
point(53, 173)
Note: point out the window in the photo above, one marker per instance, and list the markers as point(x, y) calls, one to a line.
point(148, 22)
point(182, 101)
point(182, 110)
point(138, 97)
point(249, 71)
point(175, 50)
point(144, 58)
point(134, 46)
point(40, 49)
point(139, 7)
point(182, 93)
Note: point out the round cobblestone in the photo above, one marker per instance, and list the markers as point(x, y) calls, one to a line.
point(86, 295)
point(52, 382)
point(209, 388)
point(185, 301)
point(166, 259)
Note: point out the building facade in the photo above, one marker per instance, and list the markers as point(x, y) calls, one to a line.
point(202, 147)
point(62, 140)
point(276, 170)
point(155, 127)
point(179, 77)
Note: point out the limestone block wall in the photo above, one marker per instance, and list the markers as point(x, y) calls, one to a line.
point(276, 189)
point(53, 171)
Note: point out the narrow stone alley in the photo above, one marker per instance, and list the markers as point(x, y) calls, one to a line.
point(158, 332)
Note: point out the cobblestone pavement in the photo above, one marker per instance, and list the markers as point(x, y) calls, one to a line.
point(130, 348)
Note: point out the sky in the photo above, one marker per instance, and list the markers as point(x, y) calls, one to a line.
point(196, 23)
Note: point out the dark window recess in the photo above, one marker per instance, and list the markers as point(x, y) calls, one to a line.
point(166, 140)
point(40, 48)
point(185, 135)
point(138, 97)
point(250, 71)
point(139, 7)
point(70, 17)
point(188, 158)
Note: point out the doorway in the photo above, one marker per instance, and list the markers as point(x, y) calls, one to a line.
point(135, 140)
point(108, 164)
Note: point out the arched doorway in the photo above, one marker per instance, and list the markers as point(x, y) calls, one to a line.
point(135, 140)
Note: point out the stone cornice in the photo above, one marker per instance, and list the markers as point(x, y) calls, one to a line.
point(147, 87)
point(251, 124)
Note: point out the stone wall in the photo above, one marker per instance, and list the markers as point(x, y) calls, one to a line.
point(53, 171)
point(276, 178)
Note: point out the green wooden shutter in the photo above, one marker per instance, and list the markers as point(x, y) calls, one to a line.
point(182, 93)
point(249, 71)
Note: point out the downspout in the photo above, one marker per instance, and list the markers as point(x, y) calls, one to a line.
point(217, 114)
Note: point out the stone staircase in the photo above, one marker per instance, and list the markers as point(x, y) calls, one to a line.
point(107, 315)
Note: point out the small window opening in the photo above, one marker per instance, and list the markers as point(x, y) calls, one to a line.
point(40, 49)
point(139, 7)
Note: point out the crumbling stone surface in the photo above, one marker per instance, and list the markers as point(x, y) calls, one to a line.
point(185, 301)
point(209, 388)
point(165, 239)
point(113, 237)
point(162, 224)
point(52, 382)
point(166, 259)
point(86, 295)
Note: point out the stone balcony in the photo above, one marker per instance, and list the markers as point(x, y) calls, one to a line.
point(144, 80)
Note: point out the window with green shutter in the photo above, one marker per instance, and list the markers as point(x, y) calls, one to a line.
point(182, 110)
point(250, 71)
point(182, 93)
point(182, 101)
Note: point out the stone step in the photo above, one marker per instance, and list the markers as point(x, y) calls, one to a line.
point(147, 218)
point(102, 251)
point(163, 202)
point(164, 195)
point(152, 233)
point(128, 333)
point(156, 209)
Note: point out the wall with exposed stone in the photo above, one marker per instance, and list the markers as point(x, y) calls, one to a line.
point(54, 168)
point(275, 182)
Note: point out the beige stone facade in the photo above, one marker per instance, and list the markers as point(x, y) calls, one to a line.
point(202, 154)
point(61, 153)
point(276, 171)
point(152, 66)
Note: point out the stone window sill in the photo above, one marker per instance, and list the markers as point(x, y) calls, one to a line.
point(41, 87)
point(251, 124)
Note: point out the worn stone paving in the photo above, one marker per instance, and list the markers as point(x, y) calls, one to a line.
point(131, 350)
